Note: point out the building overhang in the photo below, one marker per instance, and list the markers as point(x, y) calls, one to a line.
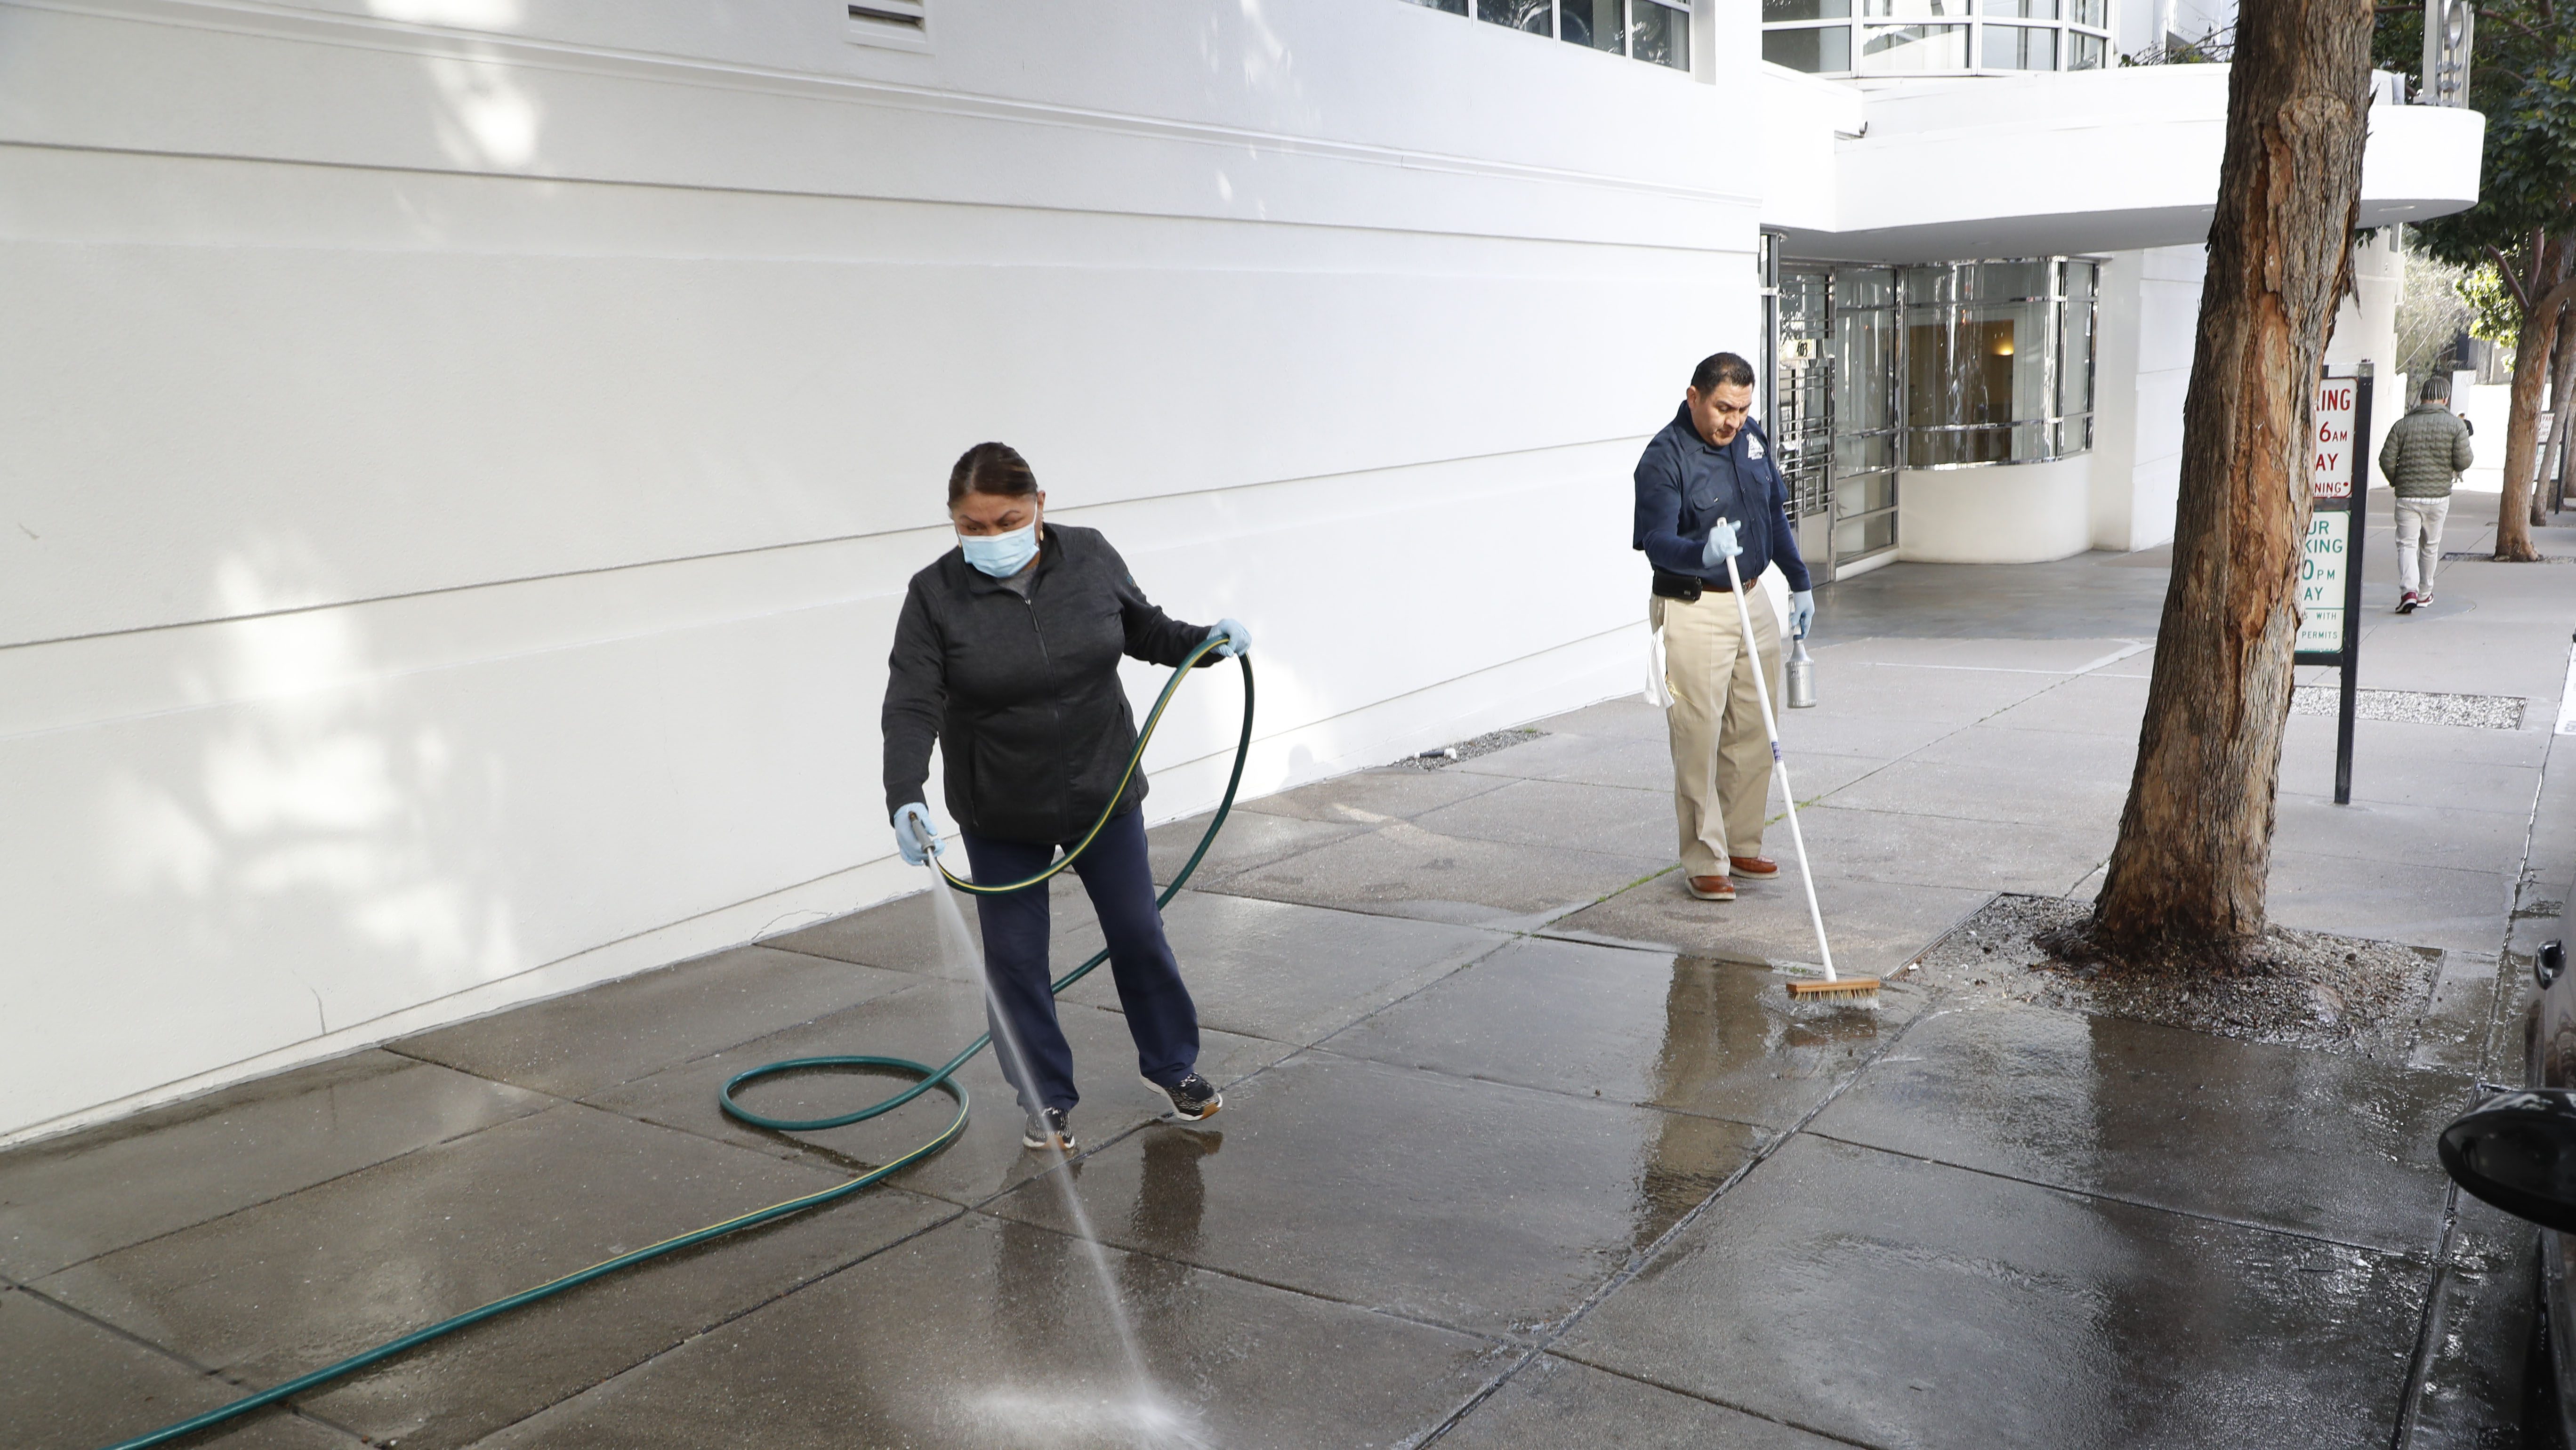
point(2088, 162)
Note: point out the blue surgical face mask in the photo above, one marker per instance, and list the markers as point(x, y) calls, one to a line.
point(1001, 555)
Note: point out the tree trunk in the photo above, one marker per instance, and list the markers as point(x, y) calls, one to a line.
point(2195, 844)
point(2562, 374)
point(2531, 349)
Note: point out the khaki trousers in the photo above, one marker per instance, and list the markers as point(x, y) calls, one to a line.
point(1721, 755)
point(2419, 541)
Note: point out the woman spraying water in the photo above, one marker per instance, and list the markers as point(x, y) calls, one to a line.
point(1007, 654)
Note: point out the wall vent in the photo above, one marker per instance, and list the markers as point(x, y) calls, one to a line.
point(895, 24)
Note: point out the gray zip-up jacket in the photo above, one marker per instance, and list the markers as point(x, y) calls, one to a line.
point(1022, 694)
point(2426, 452)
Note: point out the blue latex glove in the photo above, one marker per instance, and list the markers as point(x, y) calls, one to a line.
point(1802, 611)
point(1237, 638)
point(1721, 545)
point(915, 837)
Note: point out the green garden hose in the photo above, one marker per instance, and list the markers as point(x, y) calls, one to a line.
point(942, 1078)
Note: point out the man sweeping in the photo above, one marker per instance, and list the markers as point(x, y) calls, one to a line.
point(1707, 489)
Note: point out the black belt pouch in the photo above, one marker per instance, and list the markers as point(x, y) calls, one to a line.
point(1669, 585)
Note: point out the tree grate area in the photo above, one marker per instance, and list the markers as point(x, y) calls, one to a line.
point(2305, 988)
point(1485, 744)
point(2414, 707)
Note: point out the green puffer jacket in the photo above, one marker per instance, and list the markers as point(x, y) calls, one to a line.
point(2426, 452)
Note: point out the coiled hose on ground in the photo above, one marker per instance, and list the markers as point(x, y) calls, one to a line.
point(942, 1078)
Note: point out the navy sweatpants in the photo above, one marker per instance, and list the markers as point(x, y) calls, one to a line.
point(1160, 1014)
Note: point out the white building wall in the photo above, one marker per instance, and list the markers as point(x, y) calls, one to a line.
point(2008, 514)
point(1803, 123)
point(2150, 319)
point(2365, 330)
point(2488, 407)
point(2150, 316)
point(466, 454)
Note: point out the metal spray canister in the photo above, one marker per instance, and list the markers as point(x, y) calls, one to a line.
point(1801, 670)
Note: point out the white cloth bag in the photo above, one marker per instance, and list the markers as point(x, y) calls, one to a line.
point(1656, 693)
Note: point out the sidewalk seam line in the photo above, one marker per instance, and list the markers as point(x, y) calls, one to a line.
point(2096, 1195)
point(1546, 1340)
point(556, 1101)
point(219, 1376)
point(942, 1221)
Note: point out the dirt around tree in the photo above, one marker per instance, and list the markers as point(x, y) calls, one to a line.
point(2299, 988)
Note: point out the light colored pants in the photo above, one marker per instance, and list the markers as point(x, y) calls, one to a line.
point(2419, 542)
point(1721, 754)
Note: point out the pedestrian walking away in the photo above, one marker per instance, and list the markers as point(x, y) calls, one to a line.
point(1006, 654)
point(2426, 452)
point(1707, 489)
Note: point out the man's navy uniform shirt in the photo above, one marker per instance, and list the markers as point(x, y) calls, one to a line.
point(1684, 483)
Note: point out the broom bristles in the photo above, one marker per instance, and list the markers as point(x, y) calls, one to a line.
point(1840, 987)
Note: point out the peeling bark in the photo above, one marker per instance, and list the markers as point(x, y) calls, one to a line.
point(2195, 847)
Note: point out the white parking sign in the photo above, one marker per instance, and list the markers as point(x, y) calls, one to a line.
point(2321, 582)
point(2331, 476)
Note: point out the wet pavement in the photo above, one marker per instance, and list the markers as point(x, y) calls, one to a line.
point(1522, 1147)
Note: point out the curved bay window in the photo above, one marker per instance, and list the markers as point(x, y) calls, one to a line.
point(1935, 37)
point(1998, 361)
point(1940, 366)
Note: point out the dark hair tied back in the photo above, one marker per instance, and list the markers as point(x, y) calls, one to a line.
point(1721, 367)
point(991, 468)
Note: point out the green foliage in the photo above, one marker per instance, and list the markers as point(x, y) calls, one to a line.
point(2523, 77)
point(2492, 314)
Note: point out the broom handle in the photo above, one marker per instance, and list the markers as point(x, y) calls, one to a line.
point(1771, 728)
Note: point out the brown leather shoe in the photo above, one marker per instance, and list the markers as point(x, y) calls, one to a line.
point(1753, 865)
point(1711, 888)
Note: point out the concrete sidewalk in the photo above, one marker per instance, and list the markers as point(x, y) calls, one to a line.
point(1523, 1146)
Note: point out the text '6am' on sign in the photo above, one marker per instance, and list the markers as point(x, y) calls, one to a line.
point(2336, 400)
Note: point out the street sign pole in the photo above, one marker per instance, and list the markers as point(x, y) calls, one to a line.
point(2354, 555)
point(2331, 568)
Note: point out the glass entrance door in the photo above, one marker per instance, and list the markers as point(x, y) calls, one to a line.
point(1865, 415)
point(1802, 409)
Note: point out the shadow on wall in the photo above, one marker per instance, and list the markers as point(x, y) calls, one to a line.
point(1253, 57)
point(311, 809)
point(487, 119)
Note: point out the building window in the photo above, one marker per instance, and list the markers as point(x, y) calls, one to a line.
point(1935, 37)
point(2019, 47)
point(1997, 361)
point(1649, 30)
point(1659, 33)
point(1601, 24)
point(1913, 50)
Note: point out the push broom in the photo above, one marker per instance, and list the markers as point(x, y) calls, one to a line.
point(1832, 986)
